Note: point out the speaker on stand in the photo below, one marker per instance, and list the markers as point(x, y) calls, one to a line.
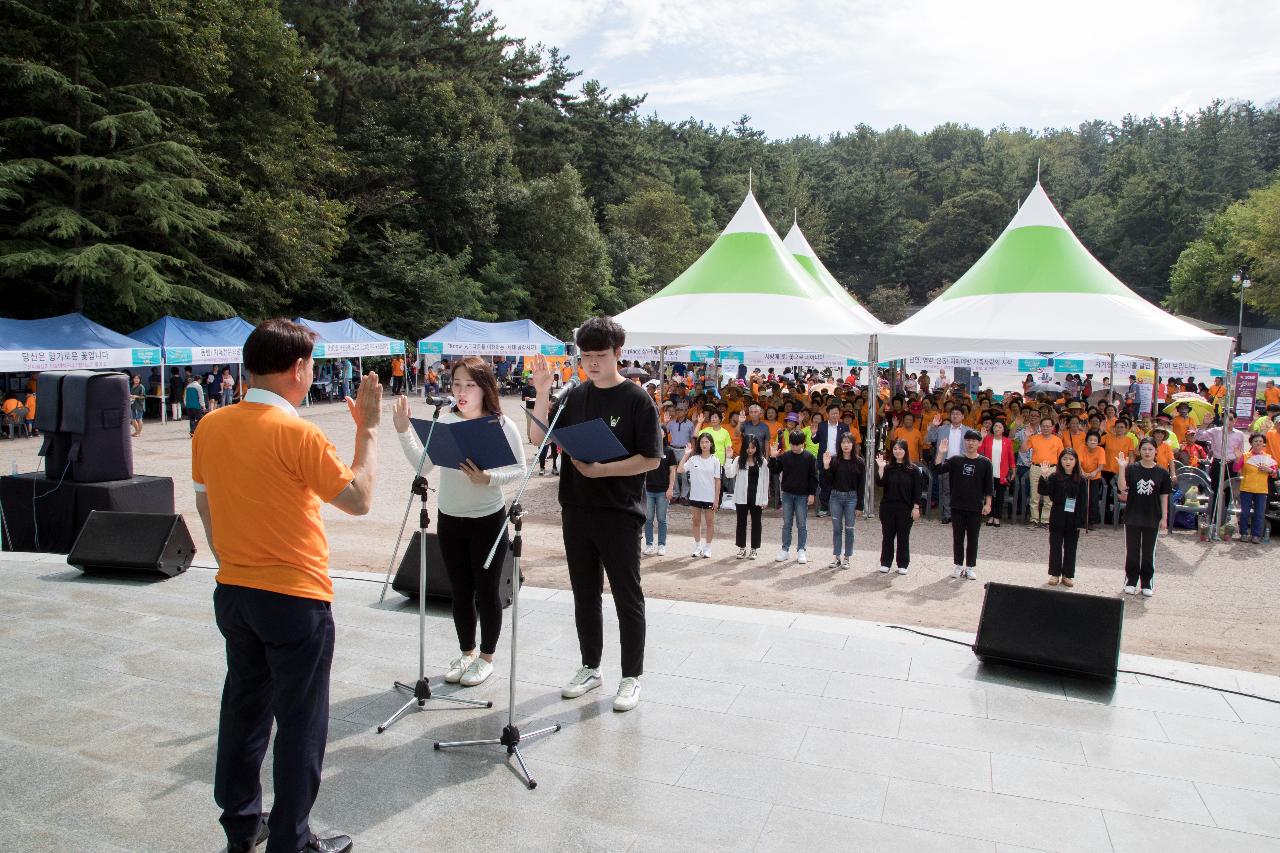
point(156, 543)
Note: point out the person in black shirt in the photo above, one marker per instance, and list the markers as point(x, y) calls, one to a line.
point(1145, 488)
point(750, 474)
point(659, 485)
point(1069, 493)
point(799, 485)
point(904, 487)
point(971, 489)
point(845, 476)
point(603, 503)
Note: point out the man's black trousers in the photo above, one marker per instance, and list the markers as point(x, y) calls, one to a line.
point(965, 526)
point(279, 651)
point(600, 542)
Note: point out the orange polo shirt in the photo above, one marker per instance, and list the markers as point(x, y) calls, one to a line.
point(1113, 445)
point(266, 473)
point(1216, 391)
point(1092, 460)
point(1273, 442)
point(31, 407)
point(397, 367)
point(1179, 428)
point(1077, 440)
point(1272, 395)
point(1164, 455)
point(914, 439)
point(1045, 450)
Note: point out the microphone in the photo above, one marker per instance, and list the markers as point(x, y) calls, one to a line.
point(440, 400)
point(573, 382)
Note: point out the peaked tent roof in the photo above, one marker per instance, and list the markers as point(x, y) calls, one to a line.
point(346, 331)
point(747, 290)
point(1038, 288)
point(798, 245)
point(67, 331)
point(176, 332)
point(475, 331)
point(1269, 354)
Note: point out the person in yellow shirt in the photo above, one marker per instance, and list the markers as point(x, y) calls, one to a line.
point(261, 475)
point(1045, 447)
point(1257, 469)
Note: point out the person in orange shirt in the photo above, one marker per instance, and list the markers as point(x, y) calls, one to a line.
point(1164, 450)
point(1092, 463)
point(1045, 447)
point(1217, 391)
point(908, 432)
point(1271, 438)
point(1181, 423)
point(1271, 393)
point(397, 374)
point(261, 474)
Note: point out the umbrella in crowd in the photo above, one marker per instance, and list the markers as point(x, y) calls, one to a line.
point(1200, 408)
point(635, 373)
point(1046, 388)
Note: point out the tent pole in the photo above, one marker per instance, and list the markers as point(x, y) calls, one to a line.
point(164, 398)
point(1155, 388)
point(662, 369)
point(1228, 427)
point(873, 356)
point(1111, 380)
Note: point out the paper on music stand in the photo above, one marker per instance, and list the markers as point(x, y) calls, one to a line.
point(590, 441)
point(480, 439)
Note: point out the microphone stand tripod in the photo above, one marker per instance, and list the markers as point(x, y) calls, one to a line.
point(420, 690)
point(511, 736)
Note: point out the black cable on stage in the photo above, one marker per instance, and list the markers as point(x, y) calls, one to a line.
point(1125, 671)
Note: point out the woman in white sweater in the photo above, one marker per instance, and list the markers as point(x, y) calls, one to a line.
point(471, 512)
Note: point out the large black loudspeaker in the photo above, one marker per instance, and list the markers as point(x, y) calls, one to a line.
point(438, 585)
point(83, 415)
point(1050, 629)
point(133, 541)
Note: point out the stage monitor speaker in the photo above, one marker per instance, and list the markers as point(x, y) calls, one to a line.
point(1050, 629)
point(133, 541)
point(438, 585)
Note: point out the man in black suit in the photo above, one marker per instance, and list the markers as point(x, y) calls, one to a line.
point(828, 438)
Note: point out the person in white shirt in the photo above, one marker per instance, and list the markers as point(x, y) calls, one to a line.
point(471, 511)
point(952, 432)
point(704, 490)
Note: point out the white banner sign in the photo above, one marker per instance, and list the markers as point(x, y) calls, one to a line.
point(358, 350)
point(12, 361)
point(203, 355)
point(452, 348)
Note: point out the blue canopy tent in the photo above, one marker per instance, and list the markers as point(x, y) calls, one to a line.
point(194, 342)
point(347, 338)
point(472, 337)
point(1264, 361)
point(69, 342)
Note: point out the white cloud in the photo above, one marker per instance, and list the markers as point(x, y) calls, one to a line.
point(697, 90)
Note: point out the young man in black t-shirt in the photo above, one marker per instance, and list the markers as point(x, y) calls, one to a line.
point(971, 490)
point(603, 503)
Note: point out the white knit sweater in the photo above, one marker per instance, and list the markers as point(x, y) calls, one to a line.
point(457, 495)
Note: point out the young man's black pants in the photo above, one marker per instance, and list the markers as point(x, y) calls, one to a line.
point(600, 542)
point(965, 526)
point(279, 651)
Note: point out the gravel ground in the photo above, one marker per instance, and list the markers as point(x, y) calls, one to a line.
point(1213, 602)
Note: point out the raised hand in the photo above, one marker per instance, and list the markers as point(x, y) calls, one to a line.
point(937, 420)
point(880, 462)
point(366, 408)
point(401, 413)
point(943, 446)
point(541, 376)
point(1122, 459)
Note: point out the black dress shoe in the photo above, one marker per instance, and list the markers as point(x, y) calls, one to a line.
point(248, 846)
point(336, 844)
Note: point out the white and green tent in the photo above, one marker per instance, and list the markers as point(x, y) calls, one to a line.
point(1038, 288)
point(748, 290)
point(798, 245)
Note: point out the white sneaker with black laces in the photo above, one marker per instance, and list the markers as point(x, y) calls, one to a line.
point(741, 555)
point(457, 667)
point(801, 557)
point(958, 571)
point(628, 695)
point(477, 673)
point(584, 681)
point(835, 563)
point(751, 555)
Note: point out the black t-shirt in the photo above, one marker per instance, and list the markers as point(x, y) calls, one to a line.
point(1144, 506)
point(970, 481)
point(631, 415)
point(659, 478)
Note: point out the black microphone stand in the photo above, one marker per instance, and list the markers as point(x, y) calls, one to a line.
point(421, 689)
point(511, 736)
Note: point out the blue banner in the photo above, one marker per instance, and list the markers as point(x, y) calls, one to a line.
point(551, 349)
point(1031, 365)
point(149, 356)
point(1068, 365)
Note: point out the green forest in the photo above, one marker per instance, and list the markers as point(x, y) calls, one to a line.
point(407, 161)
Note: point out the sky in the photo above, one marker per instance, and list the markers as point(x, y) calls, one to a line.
point(820, 67)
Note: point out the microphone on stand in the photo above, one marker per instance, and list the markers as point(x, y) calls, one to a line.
point(573, 382)
point(439, 400)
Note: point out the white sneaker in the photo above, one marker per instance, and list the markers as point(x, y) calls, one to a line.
point(584, 681)
point(706, 550)
point(477, 673)
point(844, 563)
point(835, 563)
point(741, 555)
point(647, 551)
point(783, 556)
point(459, 666)
point(751, 555)
point(884, 570)
point(1129, 589)
point(902, 570)
point(1148, 591)
point(958, 571)
point(697, 548)
point(662, 550)
point(971, 574)
point(628, 694)
point(801, 557)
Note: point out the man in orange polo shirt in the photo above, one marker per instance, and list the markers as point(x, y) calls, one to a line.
point(1045, 447)
point(261, 474)
point(397, 374)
